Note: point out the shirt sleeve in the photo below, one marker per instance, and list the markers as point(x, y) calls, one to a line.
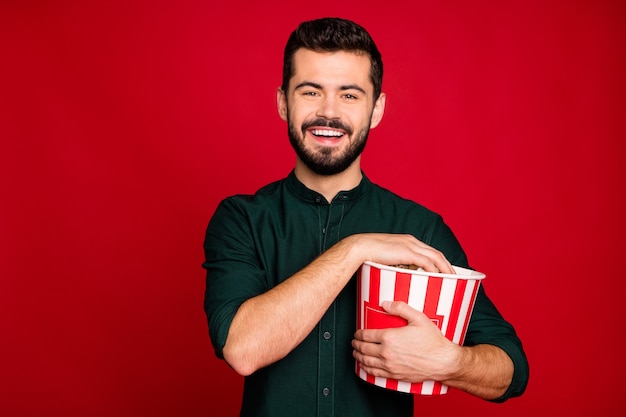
point(487, 326)
point(234, 273)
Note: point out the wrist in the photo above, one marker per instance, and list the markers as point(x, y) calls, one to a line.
point(457, 362)
point(354, 251)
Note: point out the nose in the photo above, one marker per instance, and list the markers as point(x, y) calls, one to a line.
point(329, 108)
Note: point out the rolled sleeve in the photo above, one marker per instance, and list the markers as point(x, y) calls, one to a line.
point(233, 273)
point(487, 326)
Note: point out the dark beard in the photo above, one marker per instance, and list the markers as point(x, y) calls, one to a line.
point(323, 162)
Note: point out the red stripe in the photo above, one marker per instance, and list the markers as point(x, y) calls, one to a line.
point(359, 322)
point(403, 286)
point(433, 292)
point(437, 388)
point(359, 294)
point(374, 299)
point(455, 309)
point(374, 286)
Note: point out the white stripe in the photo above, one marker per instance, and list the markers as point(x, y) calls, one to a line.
point(363, 374)
point(445, 301)
point(387, 286)
point(427, 387)
point(380, 381)
point(404, 386)
point(464, 315)
point(417, 292)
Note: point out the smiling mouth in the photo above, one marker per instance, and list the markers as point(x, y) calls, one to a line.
point(326, 133)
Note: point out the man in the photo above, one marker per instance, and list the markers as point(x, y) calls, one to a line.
point(281, 295)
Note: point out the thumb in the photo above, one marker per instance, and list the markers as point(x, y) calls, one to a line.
point(402, 309)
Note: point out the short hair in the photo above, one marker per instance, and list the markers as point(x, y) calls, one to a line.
point(331, 34)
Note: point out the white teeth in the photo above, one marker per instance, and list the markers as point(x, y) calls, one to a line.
point(325, 132)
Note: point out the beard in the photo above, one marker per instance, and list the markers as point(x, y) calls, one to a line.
point(327, 161)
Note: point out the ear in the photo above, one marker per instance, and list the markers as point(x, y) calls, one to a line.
point(379, 110)
point(281, 103)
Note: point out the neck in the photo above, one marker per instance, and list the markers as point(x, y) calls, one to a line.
point(329, 185)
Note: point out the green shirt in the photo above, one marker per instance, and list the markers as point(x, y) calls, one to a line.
point(254, 242)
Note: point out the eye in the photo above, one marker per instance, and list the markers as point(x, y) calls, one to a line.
point(310, 93)
point(349, 96)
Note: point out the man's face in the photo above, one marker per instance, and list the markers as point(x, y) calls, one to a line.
point(329, 108)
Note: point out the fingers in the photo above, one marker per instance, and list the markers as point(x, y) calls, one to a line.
point(369, 358)
point(368, 348)
point(368, 335)
point(399, 249)
point(432, 260)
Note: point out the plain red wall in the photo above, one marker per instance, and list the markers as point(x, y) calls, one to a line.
point(123, 124)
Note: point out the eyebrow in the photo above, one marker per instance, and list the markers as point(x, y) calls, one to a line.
point(319, 86)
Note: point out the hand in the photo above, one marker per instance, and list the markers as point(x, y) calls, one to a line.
point(399, 249)
point(414, 353)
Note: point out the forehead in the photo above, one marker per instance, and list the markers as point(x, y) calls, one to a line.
point(332, 68)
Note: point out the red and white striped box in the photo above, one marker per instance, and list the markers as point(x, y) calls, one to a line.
point(447, 299)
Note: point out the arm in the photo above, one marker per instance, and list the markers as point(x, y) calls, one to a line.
point(269, 326)
point(485, 371)
point(419, 352)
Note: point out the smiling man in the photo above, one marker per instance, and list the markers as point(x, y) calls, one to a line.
point(280, 291)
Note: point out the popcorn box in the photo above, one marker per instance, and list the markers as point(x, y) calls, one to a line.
point(447, 299)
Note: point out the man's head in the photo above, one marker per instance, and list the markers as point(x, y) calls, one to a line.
point(333, 35)
point(331, 94)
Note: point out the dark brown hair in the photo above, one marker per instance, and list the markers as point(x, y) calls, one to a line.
point(332, 34)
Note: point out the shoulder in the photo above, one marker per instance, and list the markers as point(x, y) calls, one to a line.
point(393, 201)
point(260, 197)
point(237, 214)
point(425, 224)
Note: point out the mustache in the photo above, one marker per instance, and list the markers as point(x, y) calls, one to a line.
point(321, 122)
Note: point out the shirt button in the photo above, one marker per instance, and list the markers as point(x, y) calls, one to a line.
point(326, 391)
point(326, 335)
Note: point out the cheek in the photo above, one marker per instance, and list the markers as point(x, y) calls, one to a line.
point(298, 113)
point(360, 119)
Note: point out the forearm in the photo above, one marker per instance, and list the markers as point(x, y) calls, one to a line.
point(485, 371)
point(269, 326)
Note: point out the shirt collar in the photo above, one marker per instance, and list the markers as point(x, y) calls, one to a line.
point(301, 191)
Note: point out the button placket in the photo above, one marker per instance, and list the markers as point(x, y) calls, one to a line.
point(327, 353)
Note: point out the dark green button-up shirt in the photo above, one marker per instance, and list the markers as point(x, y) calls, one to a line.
point(254, 242)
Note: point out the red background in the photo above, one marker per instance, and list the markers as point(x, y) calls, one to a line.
point(123, 124)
